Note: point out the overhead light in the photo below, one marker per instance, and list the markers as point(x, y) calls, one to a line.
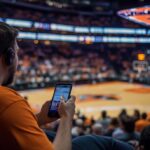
point(47, 42)
point(87, 2)
point(36, 41)
point(75, 1)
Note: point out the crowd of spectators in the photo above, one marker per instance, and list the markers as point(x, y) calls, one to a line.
point(45, 64)
point(65, 18)
point(125, 127)
point(41, 65)
point(48, 63)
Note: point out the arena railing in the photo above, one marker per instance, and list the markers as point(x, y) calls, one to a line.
point(82, 38)
point(74, 29)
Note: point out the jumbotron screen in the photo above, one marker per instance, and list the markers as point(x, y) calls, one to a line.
point(140, 15)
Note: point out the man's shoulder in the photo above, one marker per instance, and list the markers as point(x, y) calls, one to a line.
point(5, 91)
point(7, 97)
point(141, 121)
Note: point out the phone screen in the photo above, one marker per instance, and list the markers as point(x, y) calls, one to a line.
point(60, 90)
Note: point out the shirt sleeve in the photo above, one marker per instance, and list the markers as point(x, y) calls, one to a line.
point(22, 128)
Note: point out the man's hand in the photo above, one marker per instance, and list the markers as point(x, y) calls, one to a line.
point(43, 115)
point(63, 137)
point(67, 109)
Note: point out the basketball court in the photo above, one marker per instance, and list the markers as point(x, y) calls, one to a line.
point(93, 98)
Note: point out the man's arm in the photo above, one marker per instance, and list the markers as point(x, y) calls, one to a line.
point(66, 112)
point(63, 136)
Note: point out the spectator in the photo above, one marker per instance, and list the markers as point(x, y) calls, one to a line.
point(142, 123)
point(123, 113)
point(97, 129)
point(104, 120)
point(136, 114)
point(144, 143)
point(114, 124)
point(77, 130)
point(18, 125)
point(126, 131)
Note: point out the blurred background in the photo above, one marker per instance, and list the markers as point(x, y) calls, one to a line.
point(102, 46)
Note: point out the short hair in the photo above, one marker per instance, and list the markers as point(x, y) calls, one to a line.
point(137, 113)
point(128, 123)
point(8, 35)
point(123, 112)
point(144, 116)
point(104, 114)
point(114, 122)
point(145, 138)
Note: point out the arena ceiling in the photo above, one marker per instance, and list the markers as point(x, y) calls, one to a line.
point(92, 3)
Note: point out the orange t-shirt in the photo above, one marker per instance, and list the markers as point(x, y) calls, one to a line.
point(19, 129)
point(141, 124)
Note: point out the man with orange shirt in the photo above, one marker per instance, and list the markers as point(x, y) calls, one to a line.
point(142, 123)
point(19, 127)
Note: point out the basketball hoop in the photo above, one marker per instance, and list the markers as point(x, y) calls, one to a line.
point(140, 66)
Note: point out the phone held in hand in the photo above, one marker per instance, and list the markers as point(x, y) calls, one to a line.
point(60, 90)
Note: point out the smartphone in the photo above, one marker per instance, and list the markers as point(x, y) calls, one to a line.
point(60, 90)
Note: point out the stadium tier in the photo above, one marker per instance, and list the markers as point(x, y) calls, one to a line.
point(97, 51)
point(39, 36)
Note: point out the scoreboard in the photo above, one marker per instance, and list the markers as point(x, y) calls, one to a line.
point(139, 15)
